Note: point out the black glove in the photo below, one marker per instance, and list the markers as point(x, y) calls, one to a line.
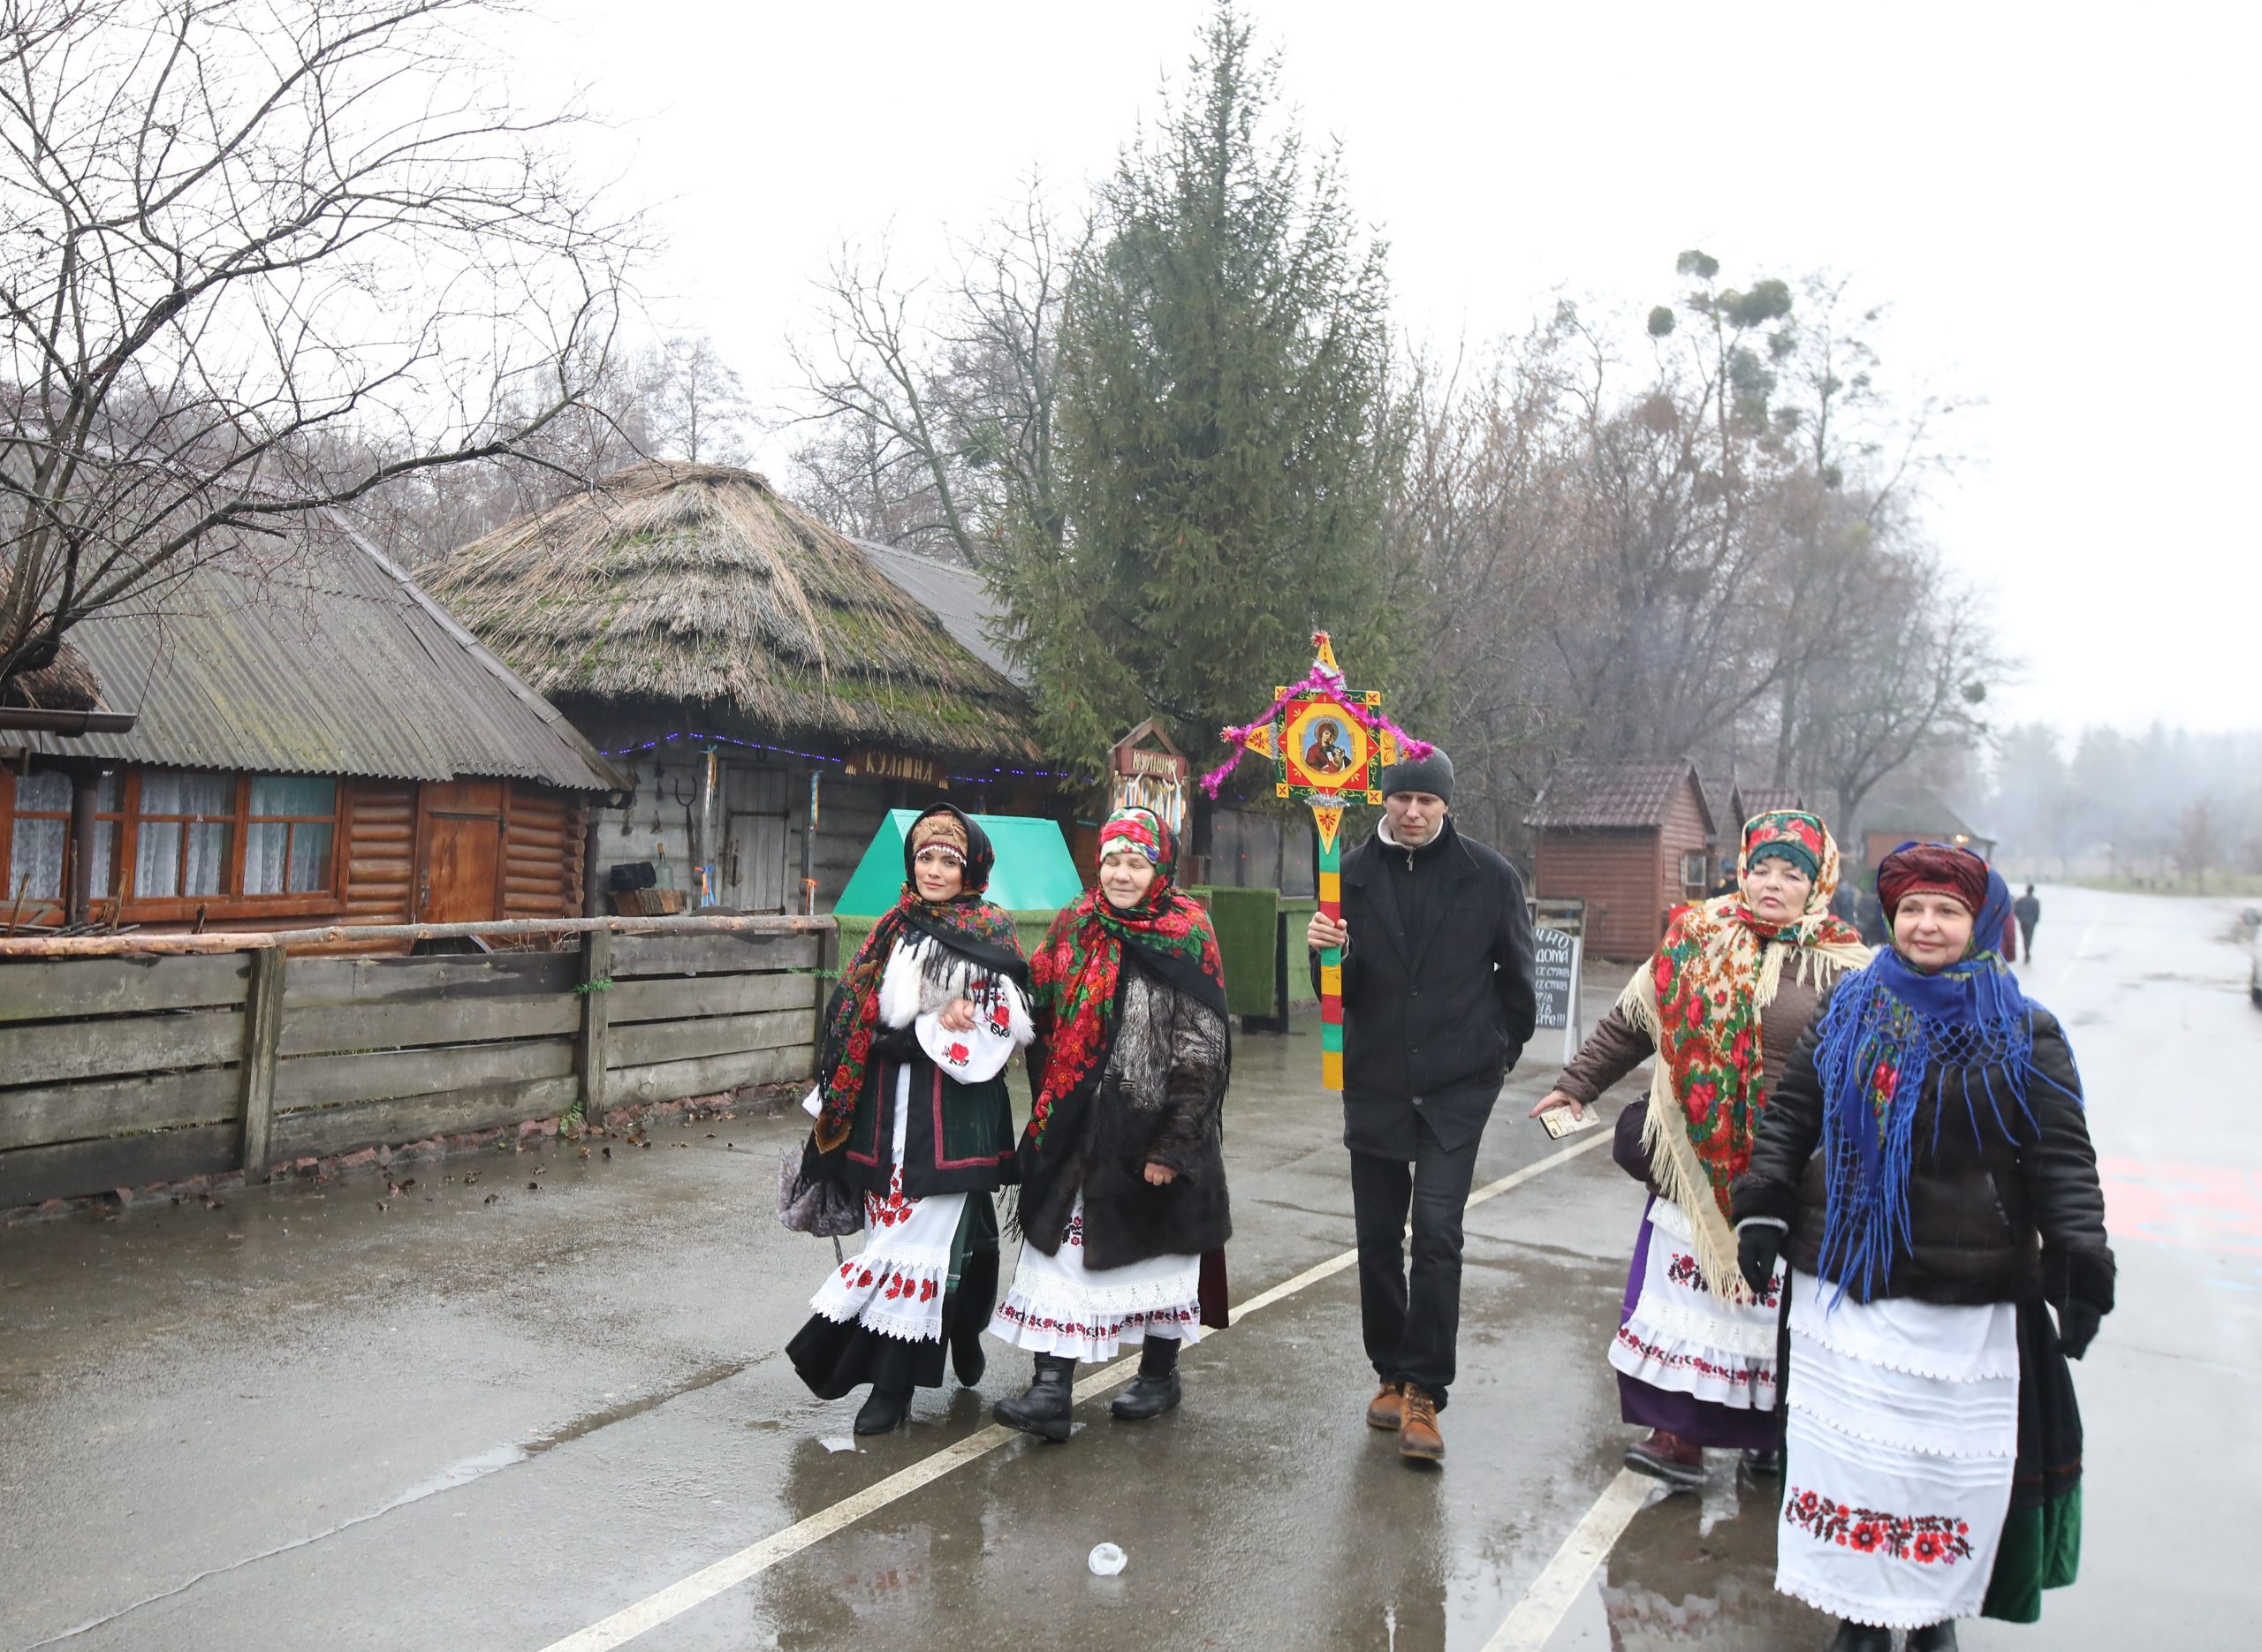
point(1756, 1246)
point(2078, 1324)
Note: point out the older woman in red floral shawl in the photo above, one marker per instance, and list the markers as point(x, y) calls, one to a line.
point(1721, 1007)
point(1122, 1167)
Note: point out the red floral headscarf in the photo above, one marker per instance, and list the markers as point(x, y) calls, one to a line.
point(1701, 999)
point(1080, 966)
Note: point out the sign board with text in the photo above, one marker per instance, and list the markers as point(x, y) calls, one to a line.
point(1555, 983)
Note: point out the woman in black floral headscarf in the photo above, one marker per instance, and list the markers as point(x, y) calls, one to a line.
point(912, 1111)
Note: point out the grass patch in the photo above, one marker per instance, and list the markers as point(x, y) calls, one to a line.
point(2218, 885)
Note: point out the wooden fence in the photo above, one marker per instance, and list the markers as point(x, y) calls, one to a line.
point(191, 1056)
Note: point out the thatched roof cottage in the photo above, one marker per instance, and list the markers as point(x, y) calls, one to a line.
point(756, 670)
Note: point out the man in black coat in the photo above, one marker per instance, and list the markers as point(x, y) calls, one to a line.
point(1437, 1005)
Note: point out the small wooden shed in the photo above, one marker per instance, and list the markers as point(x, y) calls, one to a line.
point(1631, 839)
point(1918, 815)
point(315, 742)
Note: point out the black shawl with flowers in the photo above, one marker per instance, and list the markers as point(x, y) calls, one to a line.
point(1079, 975)
point(966, 925)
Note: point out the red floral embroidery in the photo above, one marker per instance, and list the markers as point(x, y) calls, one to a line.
point(1926, 1539)
point(1655, 1353)
point(957, 1055)
point(1683, 1270)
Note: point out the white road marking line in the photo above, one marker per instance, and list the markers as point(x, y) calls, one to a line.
point(1517, 1178)
point(1542, 1610)
point(757, 1557)
point(2081, 951)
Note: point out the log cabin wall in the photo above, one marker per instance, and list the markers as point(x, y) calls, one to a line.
point(1684, 833)
point(545, 835)
point(1616, 873)
point(379, 852)
point(541, 868)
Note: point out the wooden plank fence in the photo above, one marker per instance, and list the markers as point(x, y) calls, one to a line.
point(227, 1053)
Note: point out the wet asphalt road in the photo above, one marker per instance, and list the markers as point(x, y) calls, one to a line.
point(486, 1416)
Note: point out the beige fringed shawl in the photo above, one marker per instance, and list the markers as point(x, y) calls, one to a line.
point(1700, 1000)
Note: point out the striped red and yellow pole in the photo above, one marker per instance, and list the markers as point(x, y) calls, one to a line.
point(1329, 818)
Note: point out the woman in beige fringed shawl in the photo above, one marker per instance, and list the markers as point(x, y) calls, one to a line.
point(1720, 1007)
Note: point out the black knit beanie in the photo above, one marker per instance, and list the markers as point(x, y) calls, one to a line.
point(1432, 774)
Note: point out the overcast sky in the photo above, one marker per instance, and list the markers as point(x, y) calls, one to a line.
point(2056, 201)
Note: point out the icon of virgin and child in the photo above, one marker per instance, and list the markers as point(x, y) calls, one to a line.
point(1328, 752)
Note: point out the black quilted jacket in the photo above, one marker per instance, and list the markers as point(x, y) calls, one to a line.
point(2001, 1215)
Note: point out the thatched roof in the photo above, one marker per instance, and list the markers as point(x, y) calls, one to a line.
point(699, 584)
point(66, 684)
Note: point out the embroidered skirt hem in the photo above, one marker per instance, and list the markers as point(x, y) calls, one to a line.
point(1880, 1524)
point(1677, 1339)
point(1059, 1307)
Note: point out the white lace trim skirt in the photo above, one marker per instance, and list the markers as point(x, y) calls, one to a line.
point(895, 1284)
point(1060, 1307)
point(1683, 1340)
point(1899, 1452)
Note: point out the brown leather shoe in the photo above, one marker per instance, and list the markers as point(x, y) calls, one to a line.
point(1383, 1409)
point(1667, 1457)
point(1417, 1428)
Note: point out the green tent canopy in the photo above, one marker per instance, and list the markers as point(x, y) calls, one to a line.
point(1036, 871)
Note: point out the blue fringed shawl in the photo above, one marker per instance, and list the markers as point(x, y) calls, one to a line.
point(1886, 1032)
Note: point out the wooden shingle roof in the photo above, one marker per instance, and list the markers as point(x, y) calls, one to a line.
point(1587, 795)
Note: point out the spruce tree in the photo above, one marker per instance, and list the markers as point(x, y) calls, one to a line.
point(1224, 357)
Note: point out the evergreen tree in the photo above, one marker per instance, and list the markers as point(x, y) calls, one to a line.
point(1223, 363)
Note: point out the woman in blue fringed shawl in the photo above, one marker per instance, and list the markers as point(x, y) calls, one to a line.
point(1924, 1169)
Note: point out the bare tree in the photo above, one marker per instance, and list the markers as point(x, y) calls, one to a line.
point(1909, 674)
point(929, 405)
point(694, 405)
point(259, 258)
point(871, 386)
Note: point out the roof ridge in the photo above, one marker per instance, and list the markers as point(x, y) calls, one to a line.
point(599, 764)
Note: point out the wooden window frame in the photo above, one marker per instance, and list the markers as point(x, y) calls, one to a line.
point(10, 814)
point(231, 902)
point(334, 820)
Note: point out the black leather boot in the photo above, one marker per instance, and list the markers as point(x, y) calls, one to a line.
point(1047, 1406)
point(1933, 1638)
point(1853, 1637)
point(1156, 1389)
point(886, 1407)
point(971, 1305)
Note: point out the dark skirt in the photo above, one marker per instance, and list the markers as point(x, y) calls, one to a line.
point(1699, 1421)
point(2041, 1538)
point(835, 1357)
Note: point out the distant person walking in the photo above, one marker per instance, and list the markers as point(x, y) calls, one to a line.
point(1438, 1003)
point(1725, 1000)
point(2028, 911)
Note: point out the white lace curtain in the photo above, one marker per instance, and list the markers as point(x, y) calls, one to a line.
point(187, 855)
point(287, 857)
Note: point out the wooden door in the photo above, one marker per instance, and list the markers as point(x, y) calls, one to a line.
point(753, 838)
point(459, 853)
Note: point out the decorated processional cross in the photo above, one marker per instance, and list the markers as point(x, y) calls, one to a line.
point(1329, 745)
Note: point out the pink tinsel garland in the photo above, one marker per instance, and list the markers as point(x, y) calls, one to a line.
point(1321, 680)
